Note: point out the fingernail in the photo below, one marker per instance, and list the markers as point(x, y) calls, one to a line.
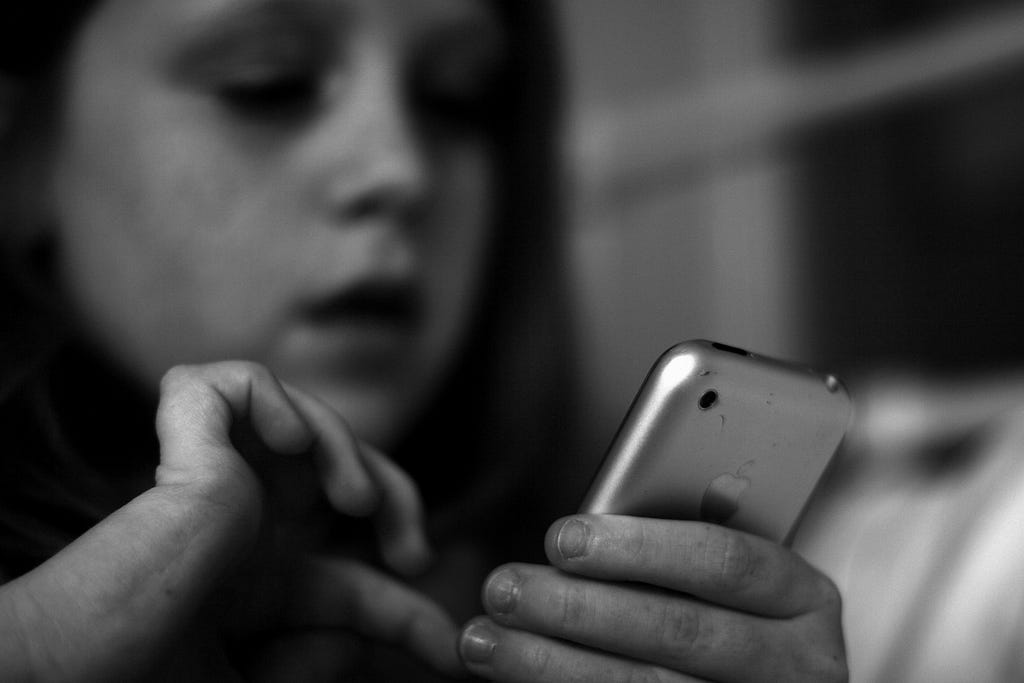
point(573, 539)
point(477, 644)
point(503, 591)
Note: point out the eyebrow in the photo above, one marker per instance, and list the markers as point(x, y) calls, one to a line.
point(241, 11)
point(211, 34)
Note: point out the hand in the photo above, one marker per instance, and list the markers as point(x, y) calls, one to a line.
point(147, 586)
point(632, 599)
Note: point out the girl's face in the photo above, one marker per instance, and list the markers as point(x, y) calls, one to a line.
point(302, 183)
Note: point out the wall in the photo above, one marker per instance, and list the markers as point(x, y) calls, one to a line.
point(847, 204)
point(702, 250)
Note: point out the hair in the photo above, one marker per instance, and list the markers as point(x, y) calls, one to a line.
point(35, 35)
point(500, 414)
point(515, 381)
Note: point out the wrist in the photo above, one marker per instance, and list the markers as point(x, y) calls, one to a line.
point(109, 604)
point(226, 514)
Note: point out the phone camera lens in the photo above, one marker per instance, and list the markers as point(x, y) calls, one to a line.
point(708, 400)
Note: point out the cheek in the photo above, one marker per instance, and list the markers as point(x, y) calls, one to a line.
point(159, 227)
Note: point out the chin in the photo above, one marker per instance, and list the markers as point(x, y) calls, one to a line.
point(378, 415)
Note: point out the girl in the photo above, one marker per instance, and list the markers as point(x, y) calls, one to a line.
point(278, 225)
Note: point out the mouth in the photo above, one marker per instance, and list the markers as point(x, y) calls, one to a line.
point(394, 306)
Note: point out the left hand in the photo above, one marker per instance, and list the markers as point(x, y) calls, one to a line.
point(297, 608)
point(631, 599)
point(217, 571)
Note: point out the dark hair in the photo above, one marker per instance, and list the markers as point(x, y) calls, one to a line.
point(35, 34)
point(509, 399)
point(33, 40)
point(499, 414)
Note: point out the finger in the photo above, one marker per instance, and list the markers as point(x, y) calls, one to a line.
point(337, 457)
point(348, 594)
point(635, 621)
point(199, 405)
point(359, 480)
point(399, 520)
point(501, 654)
point(719, 565)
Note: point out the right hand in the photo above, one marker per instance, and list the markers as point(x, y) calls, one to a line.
point(634, 599)
point(209, 555)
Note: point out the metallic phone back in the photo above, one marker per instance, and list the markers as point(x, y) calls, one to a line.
point(749, 461)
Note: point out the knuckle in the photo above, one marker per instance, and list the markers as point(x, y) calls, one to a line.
point(572, 607)
point(538, 660)
point(680, 630)
point(732, 560)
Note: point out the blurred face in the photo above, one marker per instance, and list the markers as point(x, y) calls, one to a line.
point(303, 183)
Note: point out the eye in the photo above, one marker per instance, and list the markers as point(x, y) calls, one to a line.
point(463, 110)
point(272, 96)
point(460, 99)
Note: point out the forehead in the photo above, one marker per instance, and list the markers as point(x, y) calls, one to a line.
point(177, 18)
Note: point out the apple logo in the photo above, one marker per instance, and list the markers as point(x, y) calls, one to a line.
point(721, 499)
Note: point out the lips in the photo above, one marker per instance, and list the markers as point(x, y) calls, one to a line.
point(392, 305)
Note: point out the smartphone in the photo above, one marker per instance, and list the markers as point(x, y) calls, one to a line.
point(720, 434)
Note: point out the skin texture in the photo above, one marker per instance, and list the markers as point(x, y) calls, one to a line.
point(227, 172)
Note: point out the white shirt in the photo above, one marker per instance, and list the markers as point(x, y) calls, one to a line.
point(929, 560)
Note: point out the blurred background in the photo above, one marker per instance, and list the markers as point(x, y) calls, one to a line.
point(836, 182)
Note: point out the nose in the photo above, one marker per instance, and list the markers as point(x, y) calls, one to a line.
point(377, 166)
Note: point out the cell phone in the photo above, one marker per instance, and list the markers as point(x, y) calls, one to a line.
point(720, 434)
